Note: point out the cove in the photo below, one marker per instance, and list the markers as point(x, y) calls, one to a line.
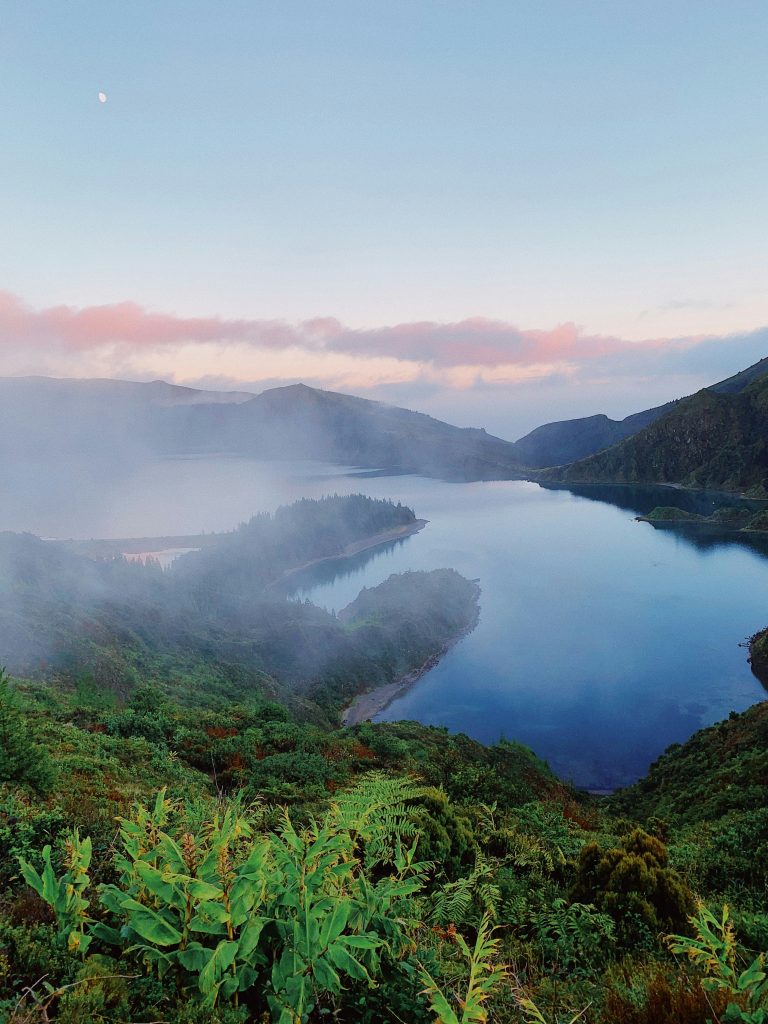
point(601, 640)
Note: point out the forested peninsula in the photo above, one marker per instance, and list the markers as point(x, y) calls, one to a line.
point(189, 836)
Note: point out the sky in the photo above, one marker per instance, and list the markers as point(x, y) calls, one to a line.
point(501, 212)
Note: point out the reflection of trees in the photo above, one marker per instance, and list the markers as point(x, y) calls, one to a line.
point(332, 569)
point(706, 536)
point(703, 536)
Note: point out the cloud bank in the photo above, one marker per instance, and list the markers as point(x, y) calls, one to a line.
point(125, 339)
point(476, 342)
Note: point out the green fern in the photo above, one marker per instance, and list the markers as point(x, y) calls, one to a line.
point(376, 814)
point(454, 900)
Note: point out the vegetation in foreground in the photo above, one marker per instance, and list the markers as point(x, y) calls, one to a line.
point(179, 845)
point(232, 864)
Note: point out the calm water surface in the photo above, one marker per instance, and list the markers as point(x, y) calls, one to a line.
point(601, 640)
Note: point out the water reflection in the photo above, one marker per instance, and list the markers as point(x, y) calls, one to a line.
point(601, 640)
point(332, 570)
point(704, 536)
point(643, 499)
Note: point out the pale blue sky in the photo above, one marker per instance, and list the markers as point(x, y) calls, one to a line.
point(384, 162)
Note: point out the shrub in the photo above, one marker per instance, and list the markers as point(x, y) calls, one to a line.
point(22, 760)
point(633, 884)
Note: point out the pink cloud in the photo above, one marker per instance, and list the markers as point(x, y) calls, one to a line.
point(474, 342)
point(127, 323)
point(477, 342)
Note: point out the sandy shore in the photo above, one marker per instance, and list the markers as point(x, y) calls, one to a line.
point(368, 705)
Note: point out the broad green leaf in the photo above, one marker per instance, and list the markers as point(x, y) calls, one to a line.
point(31, 877)
point(86, 851)
point(112, 898)
point(150, 925)
point(362, 941)
point(229, 986)
point(222, 958)
point(211, 919)
point(172, 854)
point(106, 934)
point(204, 891)
point(347, 963)
point(325, 976)
point(753, 975)
point(161, 887)
point(50, 885)
point(247, 978)
point(194, 957)
point(335, 923)
point(249, 937)
point(440, 1005)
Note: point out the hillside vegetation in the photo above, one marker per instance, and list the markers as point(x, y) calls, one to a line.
point(719, 441)
point(557, 444)
point(265, 869)
point(213, 626)
point(187, 836)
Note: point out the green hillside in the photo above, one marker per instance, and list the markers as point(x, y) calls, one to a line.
point(566, 441)
point(711, 440)
point(231, 864)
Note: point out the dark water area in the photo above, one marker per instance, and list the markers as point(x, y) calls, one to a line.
point(601, 640)
point(643, 499)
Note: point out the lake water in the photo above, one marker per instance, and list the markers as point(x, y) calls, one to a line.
point(601, 640)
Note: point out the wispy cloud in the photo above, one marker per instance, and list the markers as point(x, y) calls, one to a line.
point(464, 354)
point(472, 342)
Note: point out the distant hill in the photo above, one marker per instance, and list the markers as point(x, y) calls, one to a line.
point(103, 389)
point(717, 438)
point(555, 444)
point(114, 419)
point(566, 441)
point(71, 418)
point(303, 422)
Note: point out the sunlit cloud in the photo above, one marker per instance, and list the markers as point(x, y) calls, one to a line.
point(127, 340)
point(471, 342)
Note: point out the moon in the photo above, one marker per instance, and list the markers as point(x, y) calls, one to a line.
point(102, 97)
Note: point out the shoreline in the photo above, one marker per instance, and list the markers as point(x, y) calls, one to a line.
point(126, 546)
point(355, 548)
point(367, 705)
point(640, 484)
point(703, 524)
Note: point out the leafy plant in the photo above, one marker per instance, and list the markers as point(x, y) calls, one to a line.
point(65, 895)
point(634, 884)
point(575, 938)
point(482, 976)
point(207, 903)
point(533, 1015)
point(455, 902)
point(21, 759)
point(715, 949)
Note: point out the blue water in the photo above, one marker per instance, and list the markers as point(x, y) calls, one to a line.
point(601, 640)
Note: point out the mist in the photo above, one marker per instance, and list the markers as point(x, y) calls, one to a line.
point(121, 459)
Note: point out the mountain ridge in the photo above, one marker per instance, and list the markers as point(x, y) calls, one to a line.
point(562, 442)
point(75, 417)
point(714, 439)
